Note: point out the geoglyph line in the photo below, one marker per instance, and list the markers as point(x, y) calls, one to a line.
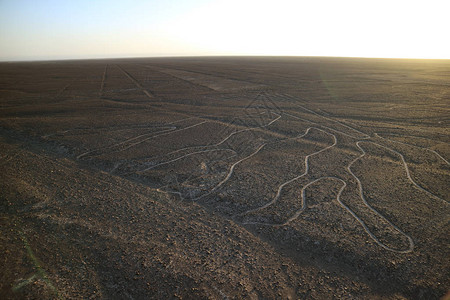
point(364, 135)
point(171, 128)
point(145, 91)
point(162, 134)
point(230, 172)
point(236, 163)
point(280, 188)
point(207, 145)
point(338, 198)
point(196, 85)
point(299, 211)
point(344, 185)
point(226, 138)
point(157, 134)
point(361, 193)
point(62, 90)
point(363, 138)
point(323, 126)
point(417, 137)
point(102, 86)
point(405, 165)
point(415, 146)
point(181, 157)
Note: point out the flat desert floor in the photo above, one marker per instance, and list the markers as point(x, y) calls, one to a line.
point(225, 178)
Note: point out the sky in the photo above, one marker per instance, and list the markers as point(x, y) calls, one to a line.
point(59, 29)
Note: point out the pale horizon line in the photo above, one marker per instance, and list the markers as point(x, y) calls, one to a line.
point(18, 60)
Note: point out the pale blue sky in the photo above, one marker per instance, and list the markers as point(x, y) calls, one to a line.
point(44, 29)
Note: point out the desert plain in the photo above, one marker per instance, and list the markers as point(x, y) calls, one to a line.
point(225, 178)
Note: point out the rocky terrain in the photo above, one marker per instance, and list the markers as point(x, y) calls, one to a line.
point(225, 178)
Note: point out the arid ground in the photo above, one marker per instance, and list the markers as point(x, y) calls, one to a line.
point(225, 178)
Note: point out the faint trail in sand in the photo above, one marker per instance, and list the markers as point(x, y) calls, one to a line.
point(62, 91)
point(364, 135)
point(326, 127)
point(181, 157)
point(145, 91)
point(172, 129)
point(102, 86)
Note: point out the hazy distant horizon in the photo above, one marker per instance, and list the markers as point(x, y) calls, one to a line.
point(62, 30)
point(212, 56)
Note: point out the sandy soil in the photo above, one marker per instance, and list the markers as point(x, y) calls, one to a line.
point(225, 178)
